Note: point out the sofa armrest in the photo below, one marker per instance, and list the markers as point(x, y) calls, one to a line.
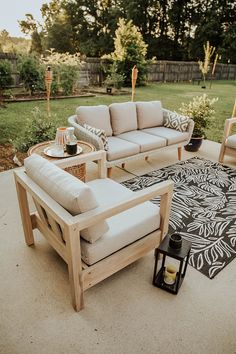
point(85, 135)
point(190, 124)
point(190, 128)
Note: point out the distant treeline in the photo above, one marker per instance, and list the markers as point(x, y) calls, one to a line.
point(172, 29)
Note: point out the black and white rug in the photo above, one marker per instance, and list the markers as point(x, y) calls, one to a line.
point(203, 209)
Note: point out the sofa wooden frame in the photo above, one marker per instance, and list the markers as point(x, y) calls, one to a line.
point(227, 131)
point(62, 230)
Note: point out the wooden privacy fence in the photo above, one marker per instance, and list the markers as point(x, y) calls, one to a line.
point(163, 71)
point(93, 71)
point(175, 71)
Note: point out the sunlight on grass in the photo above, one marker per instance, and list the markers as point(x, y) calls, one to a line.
point(13, 118)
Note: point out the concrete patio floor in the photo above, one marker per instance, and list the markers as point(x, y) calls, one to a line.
point(124, 314)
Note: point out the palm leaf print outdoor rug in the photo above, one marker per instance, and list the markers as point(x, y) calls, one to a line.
point(203, 209)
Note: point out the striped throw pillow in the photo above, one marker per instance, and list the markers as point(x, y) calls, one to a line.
point(100, 133)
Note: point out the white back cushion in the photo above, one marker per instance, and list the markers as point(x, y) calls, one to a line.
point(95, 116)
point(123, 117)
point(149, 114)
point(71, 193)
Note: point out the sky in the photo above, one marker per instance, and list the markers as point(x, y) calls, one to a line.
point(13, 10)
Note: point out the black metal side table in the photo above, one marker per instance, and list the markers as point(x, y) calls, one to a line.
point(182, 255)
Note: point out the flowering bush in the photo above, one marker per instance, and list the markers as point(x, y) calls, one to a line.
point(38, 129)
point(200, 110)
point(66, 69)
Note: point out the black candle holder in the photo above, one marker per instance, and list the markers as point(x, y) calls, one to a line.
point(175, 241)
point(180, 254)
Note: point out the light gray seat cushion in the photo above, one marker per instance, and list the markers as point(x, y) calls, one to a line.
point(149, 114)
point(124, 228)
point(95, 116)
point(71, 193)
point(146, 141)
point(123, 117)
point(119, 148)
point(172, 136)
point(231, 142)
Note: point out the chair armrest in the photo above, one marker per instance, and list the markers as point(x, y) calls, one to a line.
point(84, 220)
point(228, 127)
point(79, 159)
point(98, 156)
point(163, 189)
point(85, 135)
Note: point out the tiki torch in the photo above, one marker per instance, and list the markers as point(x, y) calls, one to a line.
point(234, 110)
point(48, 83)
point(213, 68)
point(134, 79)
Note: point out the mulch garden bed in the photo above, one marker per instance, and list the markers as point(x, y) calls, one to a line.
point(7, 154)
point(42, 97)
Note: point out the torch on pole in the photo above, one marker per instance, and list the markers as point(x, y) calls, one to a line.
point(134, 79)
point(234, 110)
point(48, 83)
point(213, 68)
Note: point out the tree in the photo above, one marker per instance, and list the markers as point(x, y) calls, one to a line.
point(36, 43)
point(32, 27)
point(145, 15)
point(228, 47)
point(29, 25)
point(130, 50)
point(93, 25)
point(172, 29)
point(59, 37)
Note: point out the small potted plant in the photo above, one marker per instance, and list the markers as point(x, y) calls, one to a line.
point(114, 79)
point(200, 110)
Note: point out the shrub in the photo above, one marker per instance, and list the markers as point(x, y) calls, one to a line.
point(200, 110)
point(30, 72)
point(37, 130)
point(68, 76)
point(114, 79)
point(5, 75)
point(65, 68)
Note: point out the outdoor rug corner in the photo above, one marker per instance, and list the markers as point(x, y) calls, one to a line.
point(203, 209)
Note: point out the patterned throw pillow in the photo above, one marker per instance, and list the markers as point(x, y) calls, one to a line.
point(175, 121)
point(100, 133)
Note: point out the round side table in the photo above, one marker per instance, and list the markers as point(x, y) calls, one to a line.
point(78, 171)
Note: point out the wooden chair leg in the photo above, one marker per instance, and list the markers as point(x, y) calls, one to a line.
point(25, 214)
point(109, 171)
point(222, 153)
point(146, 158)
point(75, 268)
point(180, 153)
point(123, 165)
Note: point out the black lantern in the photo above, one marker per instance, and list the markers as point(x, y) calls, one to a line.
point(168, 277)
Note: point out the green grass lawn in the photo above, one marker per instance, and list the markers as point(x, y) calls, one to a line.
point(13, 118)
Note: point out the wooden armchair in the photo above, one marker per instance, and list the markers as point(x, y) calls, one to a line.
point(64, 231)
point(228, 145)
